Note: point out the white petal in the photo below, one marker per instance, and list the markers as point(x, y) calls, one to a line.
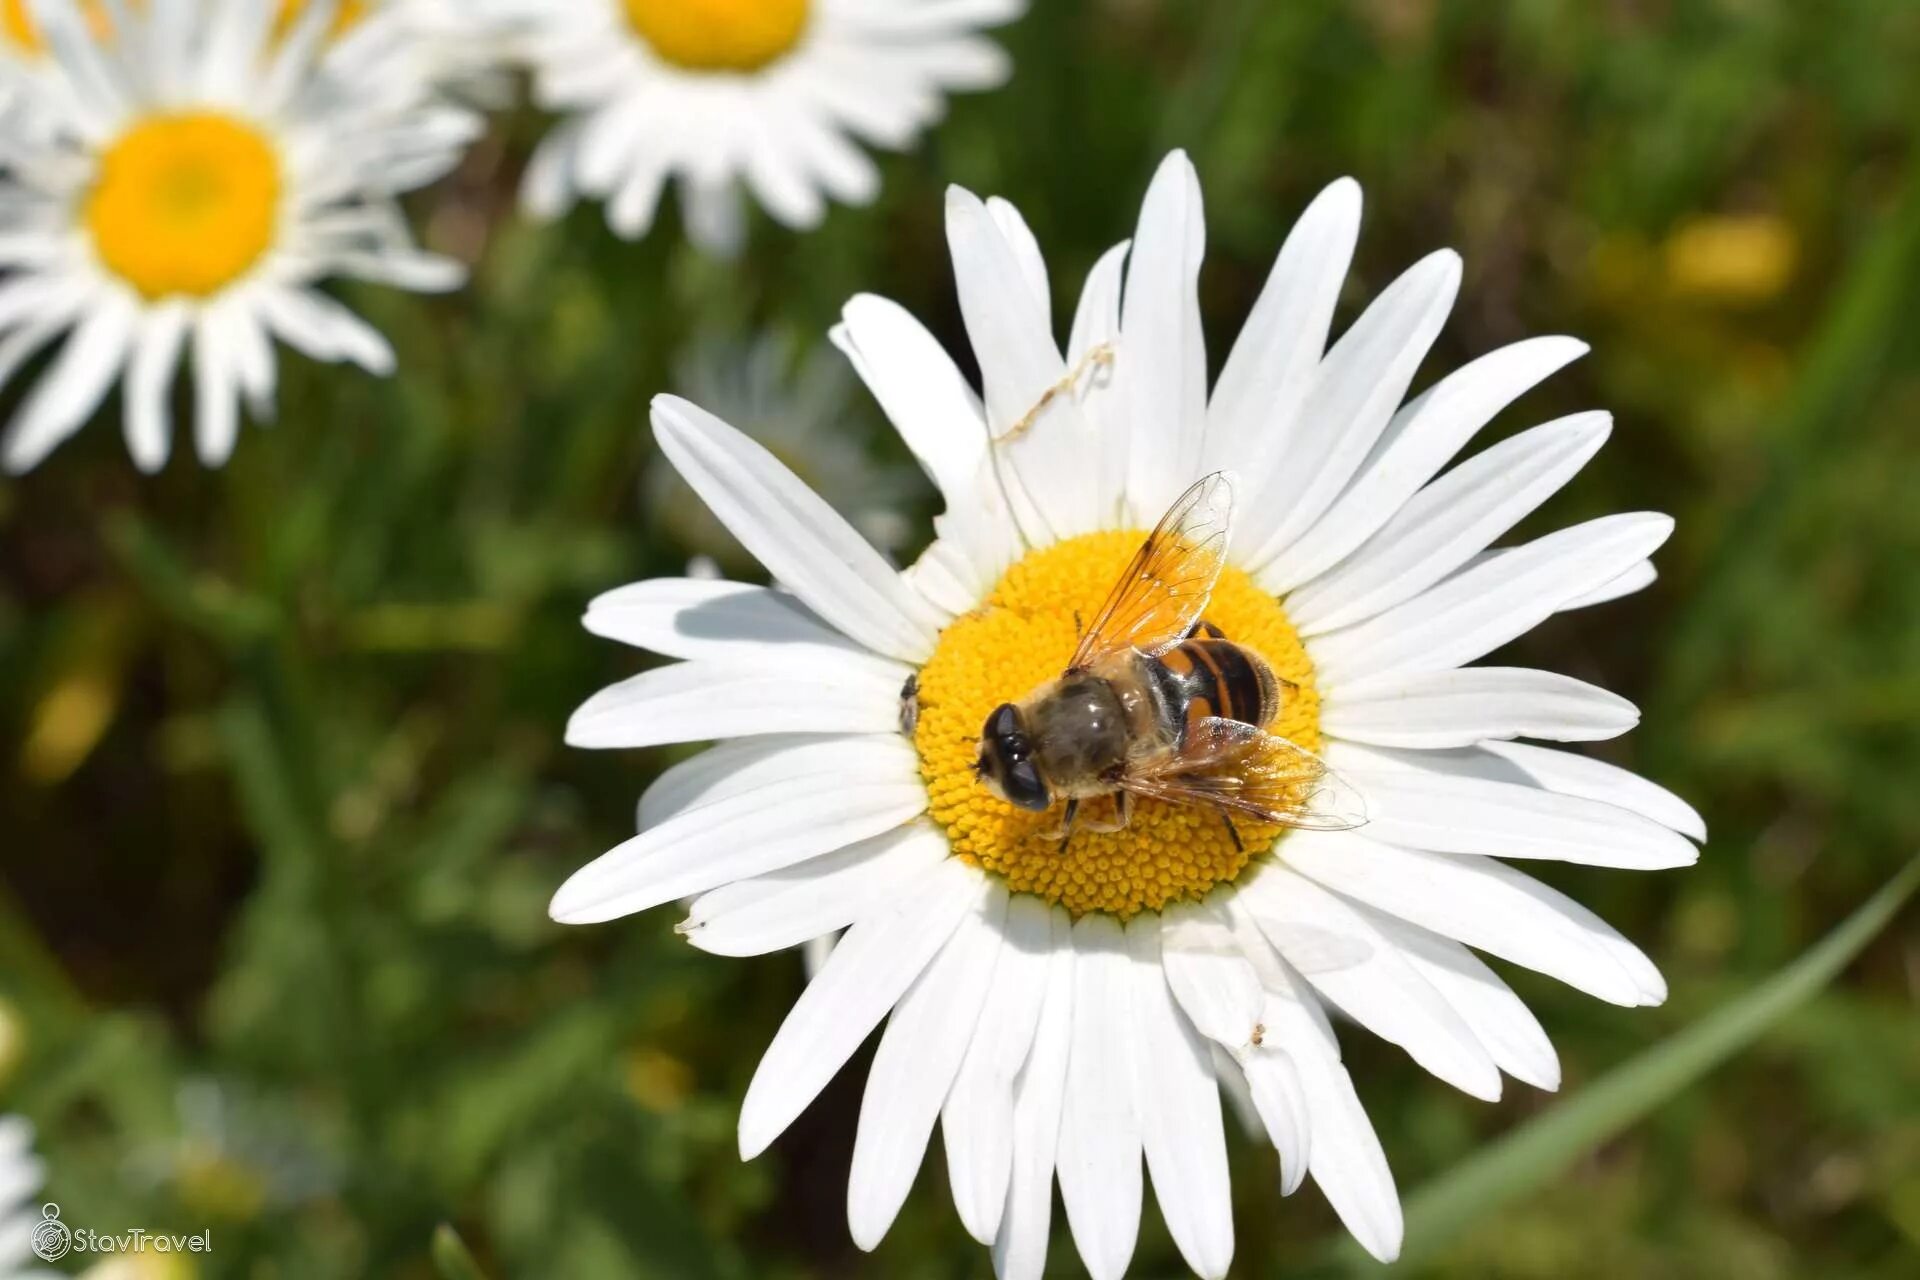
point(1099, 1154)
point(825, 798)
point(1484, 607)
point(1444, 525)
point(717, 620)
point(1179, 1111)
point(1420, 440)
point(1499, 1019)
point(1378, 989)
point(977, 1122)
point(1478, 901)
point(700, 701)
point(1039, 1094)
point(1355, 392)
point(1097, 324)
point(925, 1040)
point(1163, 357)
point(1638, 578)
point(921, 390)
point(726, 769)
point(149, 382)
point(802, 541)
point(71, 388)
point(1026, 251)
point(1577, 775)
point(1212, 979)
point(1346, 1160)
point(813, 898)
point(875, 962)
point(1256, 403)
point(1041, 464)
point(1466, 705)
point(1414, 799)
point(216, 391)
point(1274, 1083)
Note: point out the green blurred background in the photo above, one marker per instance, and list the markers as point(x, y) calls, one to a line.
point(283, 785)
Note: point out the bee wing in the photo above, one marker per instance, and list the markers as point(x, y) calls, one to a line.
point(1165, 589)
point(1244, 769)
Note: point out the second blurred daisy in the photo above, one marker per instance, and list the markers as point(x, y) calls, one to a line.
point(771, 94)
point(206, 167)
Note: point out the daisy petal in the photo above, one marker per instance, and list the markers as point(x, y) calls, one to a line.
point(920, 389)
point(1355, 391)
point(719, 621)
point(1100, 1144)
point(1479, 901)
point(1457, 708)
point(1374, 984)
point(977, 1122)
point(700, 701)
point(802, 541)
point(726, 769)
point(1039, 1094)
point(74, 384)
point(1026, 251)
point(1212, 979)
point(1445, 524)
point(810, 899)
point(871, 968)
point(1162, 369)
point(1274, 1083)
point(1420, 440)
point(1179, 1112)
point(1577, 775)
point(1484, 607)
point(1346, 1160)
point(920, 1053)
point(824, 798)
point(1256, 403)
point(1423, 801)
point(156, 357)
point(1096, 324)
point(1638, 578)
point(1498, 1017)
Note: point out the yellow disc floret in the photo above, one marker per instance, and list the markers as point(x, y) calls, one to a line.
point(1020, 639)
point(185, 204)
point(719, 35)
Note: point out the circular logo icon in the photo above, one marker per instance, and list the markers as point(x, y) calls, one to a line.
point(52, 1238)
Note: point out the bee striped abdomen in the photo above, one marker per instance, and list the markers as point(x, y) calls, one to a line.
point(1220, 678)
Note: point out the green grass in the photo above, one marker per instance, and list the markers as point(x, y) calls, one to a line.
point(284, 789)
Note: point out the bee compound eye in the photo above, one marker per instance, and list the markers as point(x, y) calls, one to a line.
point(1003, 721)
point(1024, 786)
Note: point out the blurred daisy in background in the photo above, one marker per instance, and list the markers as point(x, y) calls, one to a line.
point(239, 1153)
point(21, 1177)
point(205, 171)
point(798, 406)
point(1070, 1011)
point(772, 95)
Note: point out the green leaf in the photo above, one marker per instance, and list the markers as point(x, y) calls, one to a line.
point(1540, 1150)
point(451, 1257)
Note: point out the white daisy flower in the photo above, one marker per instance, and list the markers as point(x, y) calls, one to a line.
point(21, 1177)
point(1066, 1010)
point(772, 94)
point(203, 173)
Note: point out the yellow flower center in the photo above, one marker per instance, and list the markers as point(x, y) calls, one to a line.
point(185, 204)
point(1018, 641)
point(719, 35)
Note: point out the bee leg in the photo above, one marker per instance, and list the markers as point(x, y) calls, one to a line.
point(1066, 823)
point(1233, 832)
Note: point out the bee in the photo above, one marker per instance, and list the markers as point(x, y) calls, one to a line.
point(1157, 703)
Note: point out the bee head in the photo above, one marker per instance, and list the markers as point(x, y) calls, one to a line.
point(1006, 760)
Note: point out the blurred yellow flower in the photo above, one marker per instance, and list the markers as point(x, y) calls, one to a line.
point(1731, 258)
point(143, 1266)
point(13, 1041)
point(68, 724)
point(657, 1080)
